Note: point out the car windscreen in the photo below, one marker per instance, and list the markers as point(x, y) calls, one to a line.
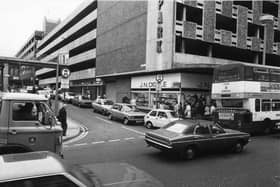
point(108, 102)
point(71, 94)
point(178, 127)
point(130, 108)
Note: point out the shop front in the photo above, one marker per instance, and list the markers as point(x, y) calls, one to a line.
point(147, 91)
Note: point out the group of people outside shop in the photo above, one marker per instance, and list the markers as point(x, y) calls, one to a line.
point(193, 107)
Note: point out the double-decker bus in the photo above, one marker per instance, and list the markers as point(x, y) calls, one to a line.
point(247, 96)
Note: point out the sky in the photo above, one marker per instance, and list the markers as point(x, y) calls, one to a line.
point(20, 18)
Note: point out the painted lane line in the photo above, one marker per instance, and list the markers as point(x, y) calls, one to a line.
point(116, 140)
point(98, 142)
point(123, 183)
point(131, 138)
point(83, 134)
point(80, 144)
point(107, 121)
point(132, 130)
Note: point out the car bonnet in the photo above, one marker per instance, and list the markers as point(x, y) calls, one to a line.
point(122, 174)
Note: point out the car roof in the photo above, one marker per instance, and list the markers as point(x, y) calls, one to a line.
point(26, 165)
point(124, 104)
point(162, 110)
point(22, 96)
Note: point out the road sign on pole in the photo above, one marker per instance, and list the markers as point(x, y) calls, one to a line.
point(159, 78)
point(65, 73)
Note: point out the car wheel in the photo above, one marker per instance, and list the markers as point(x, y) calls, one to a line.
point(189, 153)
point(93, 110)
point(110, 117)
point(125, 121)
point(238, 148)
point(149, 125)
point(103, 112)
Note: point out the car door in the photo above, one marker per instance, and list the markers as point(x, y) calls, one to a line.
point(28, 126)
point(151, 116)
point(116, 111)
point(203, 138)
point(219, 137)
point(162, 119)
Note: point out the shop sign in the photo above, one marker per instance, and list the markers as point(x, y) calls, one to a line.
point(150, 81)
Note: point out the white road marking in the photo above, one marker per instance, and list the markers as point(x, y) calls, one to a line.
point(125, 182)
point(138, 132)
point(98, 142)
point(116, 140)
point(80, 144)
point(105, 120)
point(81, 136)
point(130, 138)
point(102, 142)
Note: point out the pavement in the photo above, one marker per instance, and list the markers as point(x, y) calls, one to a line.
point(74, 130)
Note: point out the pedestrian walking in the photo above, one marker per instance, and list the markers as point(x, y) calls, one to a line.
point(188, 111)
point(62, 117)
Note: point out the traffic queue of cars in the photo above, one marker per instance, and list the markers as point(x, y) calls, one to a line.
point(172, 134)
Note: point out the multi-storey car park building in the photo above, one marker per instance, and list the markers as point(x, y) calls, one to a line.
point(181, 40)
point(74, 39)
point(127, 44)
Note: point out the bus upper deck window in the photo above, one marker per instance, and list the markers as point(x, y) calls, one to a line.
point(257, 105)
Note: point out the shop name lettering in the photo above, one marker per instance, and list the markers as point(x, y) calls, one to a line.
point(152, 84)
point(159, 27)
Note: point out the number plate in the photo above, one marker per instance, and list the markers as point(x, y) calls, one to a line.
point(226, 116)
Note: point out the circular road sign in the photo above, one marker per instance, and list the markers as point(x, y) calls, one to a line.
point(65, 73)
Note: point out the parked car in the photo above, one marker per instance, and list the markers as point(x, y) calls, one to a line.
point(102, 106)
point(68, 97)
point(159, 118)
point(189, 137)
point(82, 101)
point(46, 169)
point(127, 113)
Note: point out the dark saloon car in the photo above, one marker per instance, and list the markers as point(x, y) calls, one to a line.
point(189, 137)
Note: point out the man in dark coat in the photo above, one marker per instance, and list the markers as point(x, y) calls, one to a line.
point(62, 117)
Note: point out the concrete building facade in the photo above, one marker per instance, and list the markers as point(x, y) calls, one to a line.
point(123, 48)
point(182, 41)
point(73, 41)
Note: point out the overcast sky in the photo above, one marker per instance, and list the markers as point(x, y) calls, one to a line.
point(20, 18)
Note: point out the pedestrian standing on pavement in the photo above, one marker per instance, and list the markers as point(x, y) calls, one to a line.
point(62, 117)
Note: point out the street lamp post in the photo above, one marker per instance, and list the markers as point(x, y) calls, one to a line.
point(56, 89)
point(264, 20)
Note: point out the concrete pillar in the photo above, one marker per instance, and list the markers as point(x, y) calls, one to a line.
point(6, 77)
